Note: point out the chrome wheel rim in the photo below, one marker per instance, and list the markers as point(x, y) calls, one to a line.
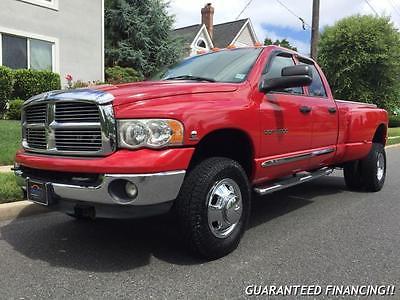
point(224, 207)
point(380, 170)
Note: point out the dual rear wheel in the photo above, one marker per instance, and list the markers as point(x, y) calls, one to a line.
point(369, 173)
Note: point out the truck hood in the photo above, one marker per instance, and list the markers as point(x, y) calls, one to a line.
point(132, 92)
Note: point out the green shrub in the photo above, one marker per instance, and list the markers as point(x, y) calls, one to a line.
point(14, 109)
point(394, 121)
point(31, 82)
point(117, 74)
point(360, 57)
point(6, 87)
point(79, 84)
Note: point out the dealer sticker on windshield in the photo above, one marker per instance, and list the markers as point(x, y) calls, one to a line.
point(240, 76)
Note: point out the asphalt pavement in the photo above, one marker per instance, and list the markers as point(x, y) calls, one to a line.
point(316, 234)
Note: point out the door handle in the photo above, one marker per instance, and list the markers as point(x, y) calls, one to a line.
point(332, 110)
point(305, 109)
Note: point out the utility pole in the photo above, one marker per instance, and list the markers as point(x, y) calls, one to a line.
point(315, 30)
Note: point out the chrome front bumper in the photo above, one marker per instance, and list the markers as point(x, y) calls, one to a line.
point(153, 189)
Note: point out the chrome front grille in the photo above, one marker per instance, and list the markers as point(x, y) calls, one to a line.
point(73, 139)
point(70, 112)
point(68, 127)
point(36, 113)
point(36, 138)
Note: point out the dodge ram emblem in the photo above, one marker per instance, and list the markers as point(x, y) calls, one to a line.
point(276, 131)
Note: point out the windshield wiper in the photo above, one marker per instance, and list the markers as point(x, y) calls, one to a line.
point(190, 77)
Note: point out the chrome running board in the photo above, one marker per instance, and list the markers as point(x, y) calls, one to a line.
point(292, 181)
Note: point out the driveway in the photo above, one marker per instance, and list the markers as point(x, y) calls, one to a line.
point(319, 233)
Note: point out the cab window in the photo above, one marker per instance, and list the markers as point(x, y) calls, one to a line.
point(316, 89)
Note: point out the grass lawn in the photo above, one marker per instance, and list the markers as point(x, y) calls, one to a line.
point(393, 141)
point(9, 190)
point(10, 140)
point(394, 132)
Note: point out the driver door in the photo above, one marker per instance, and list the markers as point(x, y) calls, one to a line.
point(286, 125)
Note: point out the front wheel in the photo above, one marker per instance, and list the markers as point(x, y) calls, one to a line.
point(213, 207)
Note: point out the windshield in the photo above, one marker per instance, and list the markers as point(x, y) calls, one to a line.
point(224, 66)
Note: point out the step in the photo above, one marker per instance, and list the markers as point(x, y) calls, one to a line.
point(292, 181)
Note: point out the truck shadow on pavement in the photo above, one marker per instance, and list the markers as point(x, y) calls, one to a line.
point(119, 245)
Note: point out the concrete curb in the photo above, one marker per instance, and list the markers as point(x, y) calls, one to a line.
point(5, 169)
point(20, 209)
point(392, 146)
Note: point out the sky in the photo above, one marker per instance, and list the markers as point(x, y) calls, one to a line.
point(271, 19)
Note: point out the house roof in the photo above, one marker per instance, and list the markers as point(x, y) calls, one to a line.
point(224, 33)
point(187, 33)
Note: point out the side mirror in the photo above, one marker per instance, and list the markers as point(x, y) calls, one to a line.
point(293, 76)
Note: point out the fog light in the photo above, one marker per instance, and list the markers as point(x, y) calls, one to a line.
point(131, 190)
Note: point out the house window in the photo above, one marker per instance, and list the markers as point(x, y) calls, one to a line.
point(52, 4)
point(41, 53)
point(26, 53)
point(15, 52)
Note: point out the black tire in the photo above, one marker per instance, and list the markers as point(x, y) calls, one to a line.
point(352, 175)
point(363, 174)
point(372, 178)
point(193, 202)
point(80, 218)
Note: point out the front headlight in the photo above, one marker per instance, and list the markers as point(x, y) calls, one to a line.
point(151, 133)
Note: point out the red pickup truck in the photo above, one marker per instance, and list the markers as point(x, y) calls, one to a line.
point(198, 142)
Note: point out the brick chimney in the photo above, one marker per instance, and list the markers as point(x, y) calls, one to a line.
point(207, 18)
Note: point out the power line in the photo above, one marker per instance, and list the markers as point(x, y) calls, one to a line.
point(369, 4)
point(244, 9)
point(394, 7)
point(294, 14)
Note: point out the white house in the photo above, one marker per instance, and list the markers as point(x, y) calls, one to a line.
point(64, 36)
point(206, 36)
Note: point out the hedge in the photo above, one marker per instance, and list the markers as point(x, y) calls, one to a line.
point(394, 121)
point(6, 87)
point(14, 109)
point(28, 83)
point(117, 74)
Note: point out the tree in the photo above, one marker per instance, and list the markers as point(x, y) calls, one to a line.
point(283, 43)
point(137, 35)
point(361, 58)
